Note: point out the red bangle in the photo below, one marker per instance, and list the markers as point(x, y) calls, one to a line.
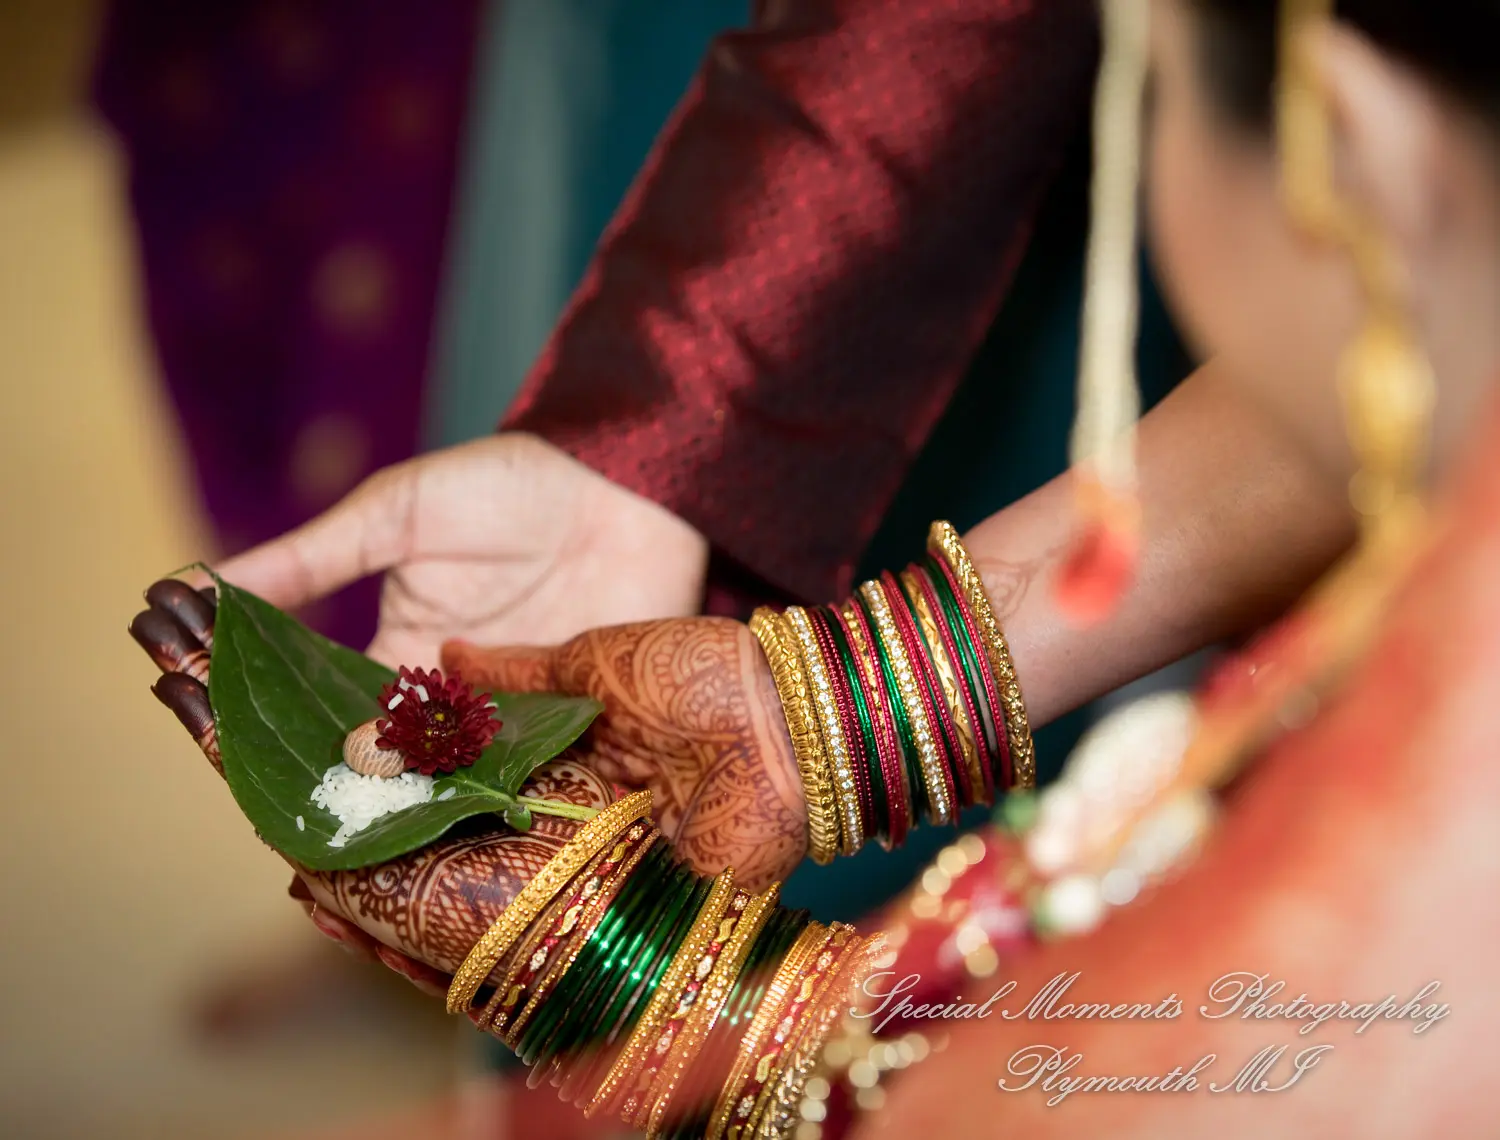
point(950, 647)
point(906, 628)
point(957, 766)
point(991, 691)
point(898, 788)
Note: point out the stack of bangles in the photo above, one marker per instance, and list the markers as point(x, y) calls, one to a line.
point(686, 1006)
point(901, 701)
point(680, 1004)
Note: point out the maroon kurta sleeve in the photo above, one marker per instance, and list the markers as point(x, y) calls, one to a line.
point(789, 295)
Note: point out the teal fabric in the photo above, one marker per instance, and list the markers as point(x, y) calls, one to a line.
point(570, 96)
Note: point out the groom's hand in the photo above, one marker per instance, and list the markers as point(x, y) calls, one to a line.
point(505, 539)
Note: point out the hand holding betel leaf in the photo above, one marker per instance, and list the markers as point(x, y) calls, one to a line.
point(284, 700)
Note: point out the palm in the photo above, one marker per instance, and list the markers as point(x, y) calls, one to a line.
point(690, 713)
point(502, 539)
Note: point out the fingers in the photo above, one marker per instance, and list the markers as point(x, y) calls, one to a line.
point(192, 608)
point(170, 644)
point(510, 669)
point(187, 697)
point(175, 633)
point(431, 982)
point(367, 532)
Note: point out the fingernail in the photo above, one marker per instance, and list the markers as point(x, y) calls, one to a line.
point(185, 604)
point(187, 697)
point(329, 929)
point(409, 970)
point(165, 640)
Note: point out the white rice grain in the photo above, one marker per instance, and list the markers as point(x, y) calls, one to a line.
point(447, 793)
point(358, 801)
point(301, 824)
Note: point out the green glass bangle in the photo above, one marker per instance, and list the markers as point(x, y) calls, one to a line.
point(942, 726)
point(910, 761)
point(636, 938)
point(570, 1033)
point(636, 988)
point(702, 887)
point(769, 947)
point(879, 794)
point(559, 1001)
point(642, 887)
point(994, 719)
point(650, 961)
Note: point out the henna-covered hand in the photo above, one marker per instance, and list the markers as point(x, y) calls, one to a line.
point(418, 914)
point(690, 712)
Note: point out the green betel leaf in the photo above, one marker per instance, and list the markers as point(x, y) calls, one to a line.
point(284, 698)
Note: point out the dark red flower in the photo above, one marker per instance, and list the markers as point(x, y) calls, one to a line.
point(438, 725)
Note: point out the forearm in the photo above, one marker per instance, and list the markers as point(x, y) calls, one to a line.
point(1237, 523)
point(795, 286)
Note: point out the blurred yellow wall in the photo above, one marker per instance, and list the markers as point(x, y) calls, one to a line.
point(133, 891)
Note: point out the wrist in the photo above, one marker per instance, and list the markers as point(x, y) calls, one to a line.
point(901, 703)
point(657, 996)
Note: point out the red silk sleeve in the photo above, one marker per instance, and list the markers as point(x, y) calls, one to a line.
point(789, 295)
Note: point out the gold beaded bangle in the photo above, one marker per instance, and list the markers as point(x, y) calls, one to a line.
point(933, 775)
point(780, 1109)
point(656, 1077)
point(808, 943)
point(944, 542)
point(533, 898)
point(801, 1009)
point(836, 748)
point(752, 912)
point(705, 1009)
point(560, 918)
point(958, 714)
point(630, 1061)
point(593, 911)
point(807, 740)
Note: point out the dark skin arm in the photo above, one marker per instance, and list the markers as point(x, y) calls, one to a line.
point(1358, 859)
point(1237, 523)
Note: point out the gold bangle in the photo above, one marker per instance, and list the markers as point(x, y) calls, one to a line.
point(808, 943)
point(533, 898)
point(780, 1110)
point(656, 1077)
point(958, 714)
point(836, 748)
point(699, 1017)
point(800, 1012)
point(588, 919)
point(807, 741)
point(628, 1063)
point(560, 917)
point(934, 776)
point(943, 541)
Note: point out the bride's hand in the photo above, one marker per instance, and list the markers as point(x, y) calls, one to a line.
point(419, 914)
point(690, 712)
